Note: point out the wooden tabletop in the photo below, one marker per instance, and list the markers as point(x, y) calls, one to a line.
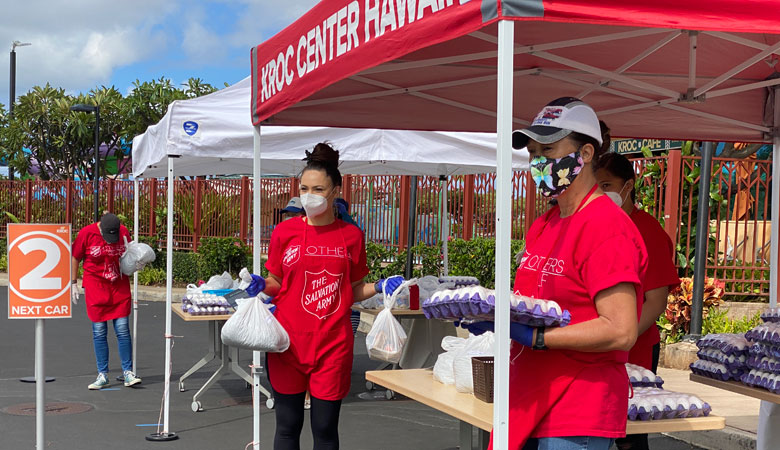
point(419, 385)
point(396, 312)
point(187, 317)
point(739, 388)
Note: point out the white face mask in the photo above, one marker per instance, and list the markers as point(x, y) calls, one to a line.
point(617, 197)
point(314, 204)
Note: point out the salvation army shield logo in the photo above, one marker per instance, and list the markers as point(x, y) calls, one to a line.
point(291, 255)
point(321, 293)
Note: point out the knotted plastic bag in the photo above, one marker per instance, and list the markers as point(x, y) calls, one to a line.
point(136, 256)
point(386, 340)
point(253, 327)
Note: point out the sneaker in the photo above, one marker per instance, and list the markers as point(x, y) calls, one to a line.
point(100, 382)
point(131, 379)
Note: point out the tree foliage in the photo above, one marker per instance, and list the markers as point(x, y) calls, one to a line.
point(44, 131)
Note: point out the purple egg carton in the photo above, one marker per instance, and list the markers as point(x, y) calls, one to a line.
point(764, 364)
point(729, 344)
point(768, 333)
point(762, 349)
point(770, 382)
point(771, 315)
point(679, 412)
point(461, 304)
point(723, 376)
point(646, 382)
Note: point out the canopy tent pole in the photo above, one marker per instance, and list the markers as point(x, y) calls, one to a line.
point(256, 268)
point(775, 223)
point(769, 413)
point(412, 226)
point(166, 435)
point(506, 33)
point(445, 226)
point(702, 241)
point(135, 277)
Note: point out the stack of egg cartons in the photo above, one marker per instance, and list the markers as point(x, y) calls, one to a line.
point(200, 304)
point(722, 356)
point(764, 353)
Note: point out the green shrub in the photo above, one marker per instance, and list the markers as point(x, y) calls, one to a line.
point(186, 267)
point(151, 276)
point(3, 262)
point(222, 255)
point(717, 322)
point(477, 258)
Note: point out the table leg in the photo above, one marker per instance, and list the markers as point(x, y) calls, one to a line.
point(466, 436)
point(212, 353)
point(223, 368)
point(236, 368)
point(483, 439)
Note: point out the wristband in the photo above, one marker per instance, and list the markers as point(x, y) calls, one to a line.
point(539, 342)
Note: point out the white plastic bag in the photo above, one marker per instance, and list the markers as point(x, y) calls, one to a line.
point(385, 341)
point(481, 345)
point(217, 282)
point(253, 327)
point(245, 277)
point(136, 256)
point(443, 370)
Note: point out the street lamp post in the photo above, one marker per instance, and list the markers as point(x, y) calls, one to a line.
point(96, 169)
point(12, 88)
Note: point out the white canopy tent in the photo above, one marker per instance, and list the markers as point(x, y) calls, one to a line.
point(211, 135)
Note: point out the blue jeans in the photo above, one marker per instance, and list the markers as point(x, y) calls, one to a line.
point(569, 443)
point(100, 340)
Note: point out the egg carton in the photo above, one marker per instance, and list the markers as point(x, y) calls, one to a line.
point(457, 281)
point(771, 315)
point(478, 303)
point(766, 380)
point(641, 377)
point(202, 300)
point(657, 404)
point(768, 333)
point(761, 349)
point(206, 310)
point(715, 370)
point(732, 362)
point(764, 364)
point(728, 343)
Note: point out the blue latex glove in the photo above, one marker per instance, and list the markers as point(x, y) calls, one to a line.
point(256, 286)
point(390, 284)
point(520, 333)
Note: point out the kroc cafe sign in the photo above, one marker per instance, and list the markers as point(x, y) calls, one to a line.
point(625, 146)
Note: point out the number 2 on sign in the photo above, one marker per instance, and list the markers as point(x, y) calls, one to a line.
point(36, 279)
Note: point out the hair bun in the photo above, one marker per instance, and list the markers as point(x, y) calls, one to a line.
point(323, 154)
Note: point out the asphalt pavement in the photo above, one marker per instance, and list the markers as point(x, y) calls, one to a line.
point(119, 418)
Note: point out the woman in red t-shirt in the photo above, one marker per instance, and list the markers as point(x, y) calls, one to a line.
point(568, 387)
point(316, 266)
point(615, 175)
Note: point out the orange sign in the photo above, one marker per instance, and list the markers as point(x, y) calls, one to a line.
point(39, 271)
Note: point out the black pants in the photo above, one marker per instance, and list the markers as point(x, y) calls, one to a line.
point(324, 415)
point(639, 441)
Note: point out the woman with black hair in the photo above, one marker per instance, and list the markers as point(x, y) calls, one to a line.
point(615, 175)
point(568, 387)
point(317, 266)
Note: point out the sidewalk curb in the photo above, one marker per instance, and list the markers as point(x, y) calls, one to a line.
point(726, 439)
point(145, 293)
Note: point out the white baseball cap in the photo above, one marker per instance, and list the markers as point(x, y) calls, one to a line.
point(294, 206)
point(558, 119)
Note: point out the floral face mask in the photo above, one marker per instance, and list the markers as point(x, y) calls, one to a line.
point(553, 176)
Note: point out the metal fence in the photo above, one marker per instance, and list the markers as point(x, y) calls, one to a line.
point(668, 189)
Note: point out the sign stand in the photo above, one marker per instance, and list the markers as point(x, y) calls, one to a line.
point(40, 386)
point(39, 271)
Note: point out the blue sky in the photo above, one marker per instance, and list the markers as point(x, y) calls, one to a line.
point(81, 44)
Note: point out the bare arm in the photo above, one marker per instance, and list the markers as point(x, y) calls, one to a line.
point(272, 285)
point(654, 306)
point(362, 291)
point(614, 329)
point(74, 269)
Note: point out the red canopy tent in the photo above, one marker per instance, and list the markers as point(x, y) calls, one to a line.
point(661, 69)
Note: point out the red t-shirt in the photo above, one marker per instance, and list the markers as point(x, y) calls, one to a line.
point(661, 272)
point(317, 266)
point(106, 289)
point(557, 393)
